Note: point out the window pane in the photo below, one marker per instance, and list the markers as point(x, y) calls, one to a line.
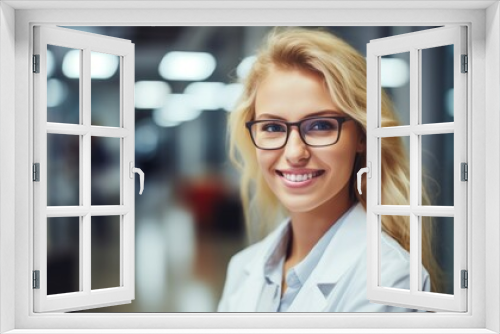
point(63, 170)
point(105, 86)
point(437, 252)
point(63, 255)
point(105, 237)
point(400, 148)
point(105, 171)
point(394, 258)
point(437, 169)
point(63, 85)
point(437, 84)
point(395, 80)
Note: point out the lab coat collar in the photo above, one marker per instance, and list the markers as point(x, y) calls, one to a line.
point(343, 250)
point(257, 264)
point(254, 269)
point(340, 255)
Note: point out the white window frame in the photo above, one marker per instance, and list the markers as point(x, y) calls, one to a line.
point(16, 22)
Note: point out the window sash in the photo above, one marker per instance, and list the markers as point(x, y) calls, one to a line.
point(412, 43)
point(86, 297)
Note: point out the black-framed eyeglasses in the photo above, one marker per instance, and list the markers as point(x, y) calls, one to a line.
point(272, 134)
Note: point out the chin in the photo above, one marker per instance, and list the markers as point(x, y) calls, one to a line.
point(299, 206)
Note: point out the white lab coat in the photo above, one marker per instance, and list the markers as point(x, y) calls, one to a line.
point(337, 284)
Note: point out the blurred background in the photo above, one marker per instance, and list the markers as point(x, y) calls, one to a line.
point(189, 219)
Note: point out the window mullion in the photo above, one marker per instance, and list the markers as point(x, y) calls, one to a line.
point(414, 168)
point(85, 273)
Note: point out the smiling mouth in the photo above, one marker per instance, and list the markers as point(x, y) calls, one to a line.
point(300, 177)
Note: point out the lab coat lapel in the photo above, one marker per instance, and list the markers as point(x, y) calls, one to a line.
point(339, 256)
point(247, 298)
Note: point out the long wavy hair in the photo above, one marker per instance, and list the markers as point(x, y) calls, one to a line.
point(344, 72)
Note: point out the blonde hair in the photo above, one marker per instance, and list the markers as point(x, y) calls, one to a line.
point(344, 72)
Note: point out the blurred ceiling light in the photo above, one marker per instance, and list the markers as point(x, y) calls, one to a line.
point(178, 108)
point(151, 94)
point(245, 66)
point(232, 93)
point(394, 72)
point(206, 95)
point(50, 63)
point(71, 64)
point(102, 65)
point(57, 91)
point(188, 66)
point(158, 119)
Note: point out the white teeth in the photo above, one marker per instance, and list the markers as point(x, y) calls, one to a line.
point(299, 177)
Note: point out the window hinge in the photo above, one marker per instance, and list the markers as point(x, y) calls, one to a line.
point(465, 279)
point(465, 64)
point(36, 63)
point(36, 172)
point(36, 279)
point(464, 171)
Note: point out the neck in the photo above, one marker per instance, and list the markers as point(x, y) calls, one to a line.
point(309, 227)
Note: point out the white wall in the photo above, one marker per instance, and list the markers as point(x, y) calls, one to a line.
point(492, 149)
point(7, 160)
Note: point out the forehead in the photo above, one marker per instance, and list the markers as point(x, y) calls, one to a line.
point(292, 94)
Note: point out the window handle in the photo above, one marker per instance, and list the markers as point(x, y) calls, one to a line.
point(141, 175)
point(367, 170)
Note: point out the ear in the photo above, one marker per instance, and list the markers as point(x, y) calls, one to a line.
point(361, 145)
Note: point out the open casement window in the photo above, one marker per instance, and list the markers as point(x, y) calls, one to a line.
point(420, 133)
point(83, 171)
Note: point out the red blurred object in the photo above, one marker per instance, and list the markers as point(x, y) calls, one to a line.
point(203, 196)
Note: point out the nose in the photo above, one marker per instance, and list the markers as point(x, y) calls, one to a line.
point(296, 151)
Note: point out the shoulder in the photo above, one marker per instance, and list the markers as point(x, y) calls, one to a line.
point(391, 248)
point(252, 258)
point(244, 267)
point(395, 265)
point(244, 257)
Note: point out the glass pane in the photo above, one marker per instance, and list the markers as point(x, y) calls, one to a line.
point(63, 170)
point(399, 164)
point(105, 171)
point(63, 255)
point(105, 86)
point(437, 169)
point(395, 258)
point(63, 85)
point(437, 252)
point(437, 84)
point(395, 81)
point(105, 237)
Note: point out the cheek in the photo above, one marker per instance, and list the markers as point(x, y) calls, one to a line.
point(265, 160)
point(341, 161)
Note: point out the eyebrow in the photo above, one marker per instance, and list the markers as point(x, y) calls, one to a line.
point(319, 113)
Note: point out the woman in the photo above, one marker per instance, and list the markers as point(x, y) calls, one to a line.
point(298, 136)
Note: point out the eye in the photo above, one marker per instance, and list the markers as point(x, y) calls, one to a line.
point(322, 125)
point(272, 127)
